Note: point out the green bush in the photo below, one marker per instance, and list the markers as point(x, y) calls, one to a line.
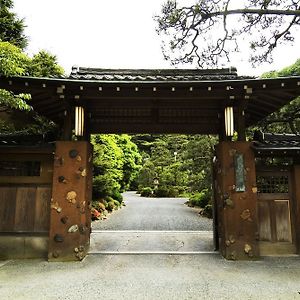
point(162, 191)
point(117, 204)
point(173, 192)
point(200, 199)
point(146, 192)
point(207, 211)
point(111, 206)
point(117, 196)
point(104, 202)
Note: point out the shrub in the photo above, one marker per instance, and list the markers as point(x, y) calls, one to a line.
point(162, 191)
point(117, 196)
point(110, 206)
point(146, 192)
point(207, 211)
point(117, 204)
point(101, 206)
point(173, 192)
point(200, 199)
point(104, 202)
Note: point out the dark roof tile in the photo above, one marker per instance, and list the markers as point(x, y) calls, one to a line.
point(154, 74)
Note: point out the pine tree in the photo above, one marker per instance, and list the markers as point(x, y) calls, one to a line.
point(11, 27)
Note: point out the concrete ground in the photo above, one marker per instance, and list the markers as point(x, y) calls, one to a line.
point(205, 275)
point(151, 277)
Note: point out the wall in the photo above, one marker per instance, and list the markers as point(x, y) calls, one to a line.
point(25, 203)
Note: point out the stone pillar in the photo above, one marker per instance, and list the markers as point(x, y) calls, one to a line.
point(236, 198)
point(70, 217)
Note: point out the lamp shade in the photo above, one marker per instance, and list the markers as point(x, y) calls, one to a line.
point(79, 120)
point(229, 121)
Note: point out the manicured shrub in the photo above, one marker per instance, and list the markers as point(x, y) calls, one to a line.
point(117, 204)
point(207, 211)
point(110, 206)
point(162, 191)
point(117, 196)
point(200, 199)
point(146, 192)
point(101, 206)
point(173, 192)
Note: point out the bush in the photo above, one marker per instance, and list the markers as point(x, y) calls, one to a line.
point(104, 202)
point(207, 211)
point(117, 204)
point(173, 192)
point(162, 191)
point(146, 192)
point(117, 196)
point(200, 199)
point(101, 206)
point(111, 206)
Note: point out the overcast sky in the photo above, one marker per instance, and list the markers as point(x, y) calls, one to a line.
point(110, 34)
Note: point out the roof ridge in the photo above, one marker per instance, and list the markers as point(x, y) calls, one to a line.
point(165, 72)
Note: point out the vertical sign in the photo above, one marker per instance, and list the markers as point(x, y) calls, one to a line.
point(239, 172)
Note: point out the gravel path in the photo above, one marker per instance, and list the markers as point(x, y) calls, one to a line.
point(143, 213)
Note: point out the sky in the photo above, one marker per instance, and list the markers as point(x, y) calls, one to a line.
point(112, 34)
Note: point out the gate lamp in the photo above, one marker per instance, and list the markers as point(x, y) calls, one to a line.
point(79, 120)
point(229, 121)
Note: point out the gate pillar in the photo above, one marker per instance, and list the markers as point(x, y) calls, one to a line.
point(70, 217)
point(236, 198)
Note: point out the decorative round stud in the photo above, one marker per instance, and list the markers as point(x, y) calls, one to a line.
point(73, 153)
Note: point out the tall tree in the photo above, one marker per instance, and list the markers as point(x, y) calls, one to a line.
point(209, 32)
point(11, 27)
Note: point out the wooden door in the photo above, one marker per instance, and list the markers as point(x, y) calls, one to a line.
point(274, 212)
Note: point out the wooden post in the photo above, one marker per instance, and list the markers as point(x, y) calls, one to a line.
point(296, 193)
point(236, 200)
point(67, 125)
point(70, 217)
point(222, 132)
point(240, 122)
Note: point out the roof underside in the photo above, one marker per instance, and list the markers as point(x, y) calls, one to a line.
point(155, 101)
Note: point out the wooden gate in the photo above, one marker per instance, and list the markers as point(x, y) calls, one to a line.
point(274, 209)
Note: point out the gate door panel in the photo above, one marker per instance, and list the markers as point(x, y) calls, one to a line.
point(274, 212)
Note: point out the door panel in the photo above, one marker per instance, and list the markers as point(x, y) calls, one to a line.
point(283, 221)
point(264, 219)
point(274, 216)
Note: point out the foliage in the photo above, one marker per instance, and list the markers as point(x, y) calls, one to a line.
point(207, 32)
point(162, 191)
point(287, 119)
point(181, 163)
point(14, 62)
point(146, 192)
point(200, 199)
point(207, 211)
point(11, 27)
point(44, 64)
point(116, 163)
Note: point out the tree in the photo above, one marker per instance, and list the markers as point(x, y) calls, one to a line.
point(182, 163)
point(14, 62)
point(11, 27)
point(116, 163)
point(207, 33)
point(287, 119)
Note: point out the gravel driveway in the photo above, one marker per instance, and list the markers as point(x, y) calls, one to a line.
point(143, 213)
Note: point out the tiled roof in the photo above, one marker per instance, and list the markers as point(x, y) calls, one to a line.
point(272, 142)
point(162, 75)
